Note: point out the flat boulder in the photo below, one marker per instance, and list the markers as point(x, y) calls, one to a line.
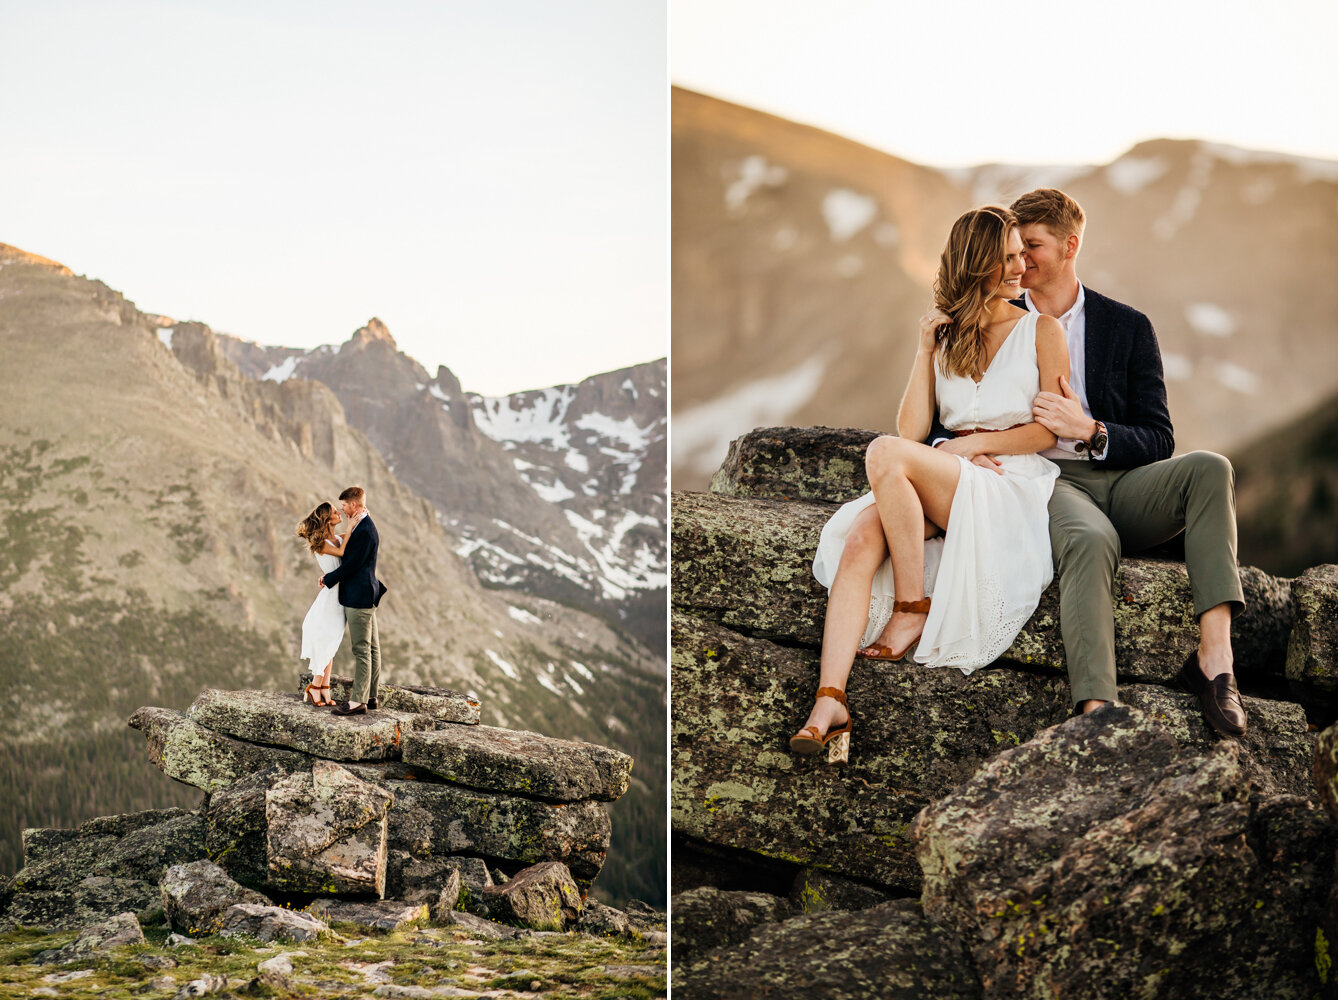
point(523, 763)
point(889, 951)
point(195, 896)
point(379, 915)
point(269, 923)
point(282, 718)
point(481, 927)
point(440, 704)
point(747, 563)
point(118, 931)
point(543, 897)
point(1101, 859)
point(187, 752)
point(326, 832)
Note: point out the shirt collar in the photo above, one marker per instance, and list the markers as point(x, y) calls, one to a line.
point(1074, 312)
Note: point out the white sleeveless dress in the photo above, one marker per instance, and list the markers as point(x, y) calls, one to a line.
point(323, 627)
point(987, 575)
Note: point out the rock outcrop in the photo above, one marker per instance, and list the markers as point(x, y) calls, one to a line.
point(1131, 852)
point(414, 803)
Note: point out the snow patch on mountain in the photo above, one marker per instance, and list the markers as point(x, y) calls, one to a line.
point(283, 371)
point(506, 668)
point(846, 212)
point(523, 616)
point(1239, 379)
point(504, 418)
point(1131, 174)
point(751, 174)
point(165, 335)
point(1210, 320)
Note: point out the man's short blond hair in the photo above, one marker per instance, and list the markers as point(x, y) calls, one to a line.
point(1053, 209)
point(353, 494)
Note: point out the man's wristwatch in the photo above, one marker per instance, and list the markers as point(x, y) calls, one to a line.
point(1096, 443)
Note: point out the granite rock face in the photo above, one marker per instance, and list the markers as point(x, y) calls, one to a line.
point(269, 923)
point(326, 832)
point(747, 564)
point(188, 752)
point(918, 732)
point(115, 932)
point(505, 760)
point(1312, 653)
point(448, 898)
point(438, 704)
point(195, 896)
point(888, 951)
point(282, 718)
point(1132, 852)
point(542, 897)
point(107, 866)
point(1100, 859)
point(379, 915)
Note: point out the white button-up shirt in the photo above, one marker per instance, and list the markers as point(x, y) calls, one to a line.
point(1074, 323)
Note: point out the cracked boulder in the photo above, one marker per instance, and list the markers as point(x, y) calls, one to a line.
point(326, 832)
point(195, 896)
point(543, 897)
point(1101, 859)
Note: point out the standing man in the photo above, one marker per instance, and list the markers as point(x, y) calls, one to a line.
point(359, 592)
point(1118, 487)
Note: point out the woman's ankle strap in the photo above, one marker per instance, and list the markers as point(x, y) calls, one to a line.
point(836, 693)
point(920, 607)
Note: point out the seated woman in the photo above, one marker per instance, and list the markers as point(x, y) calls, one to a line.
point(981, 361)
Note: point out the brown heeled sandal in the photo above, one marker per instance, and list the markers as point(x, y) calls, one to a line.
point(836, 742)
point(880, 652)
point(307, 694)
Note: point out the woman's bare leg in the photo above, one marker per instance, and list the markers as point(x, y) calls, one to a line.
point(847, 613)
point(912, 483)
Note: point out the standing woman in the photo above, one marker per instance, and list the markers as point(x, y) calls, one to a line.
point(323, 627)
point(981, 361)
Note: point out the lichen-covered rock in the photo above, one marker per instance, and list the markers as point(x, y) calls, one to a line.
point(422, 879)
point(1312, 652)
point(1326, 769)
point(186, 751)
point(796, 463)
point(888, 951)
point(508, 760)
point(747, 563)
point(707, 918)
point(235, 833)
point(482, 928)
point(326, 832)
point(435, 821)
point(269, 923)
point(816, 891)
point(118, 931)
point(39, 842)
point(440, 704)
point(918, 733)
point(1101, 859)
point(448, 898)
point(604, 921)
point(108, 866)
point(282, 718)
point(381, 915)
point(543, 897)
point(195, 896)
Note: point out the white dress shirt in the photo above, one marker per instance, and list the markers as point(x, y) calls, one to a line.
point(1074, 323)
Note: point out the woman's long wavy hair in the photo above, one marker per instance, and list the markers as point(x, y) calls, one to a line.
point(977, 244)
point(316, 525)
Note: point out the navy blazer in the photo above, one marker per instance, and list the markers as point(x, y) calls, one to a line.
point(356, 573)
point(1126, 389)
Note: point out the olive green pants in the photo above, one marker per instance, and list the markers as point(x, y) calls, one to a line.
point(1095, 514)
point(366, 644)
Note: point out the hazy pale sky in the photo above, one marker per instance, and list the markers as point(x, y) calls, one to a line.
point(491, 180)
point(960, 82)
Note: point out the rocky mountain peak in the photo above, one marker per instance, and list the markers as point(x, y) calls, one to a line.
point(374, 332)
point(13, 255)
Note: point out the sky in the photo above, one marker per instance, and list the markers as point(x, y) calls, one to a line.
point(490, 180)
point(958, 83)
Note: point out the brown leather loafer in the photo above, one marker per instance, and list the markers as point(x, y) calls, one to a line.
point(1219, 697)
point(343, 709)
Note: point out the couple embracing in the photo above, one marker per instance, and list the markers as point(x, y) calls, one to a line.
point(349, 593)
point(1046, 449)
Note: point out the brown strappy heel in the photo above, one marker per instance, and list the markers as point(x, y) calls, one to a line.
point(880, 652)
point(836, 742)
point(307, 694)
